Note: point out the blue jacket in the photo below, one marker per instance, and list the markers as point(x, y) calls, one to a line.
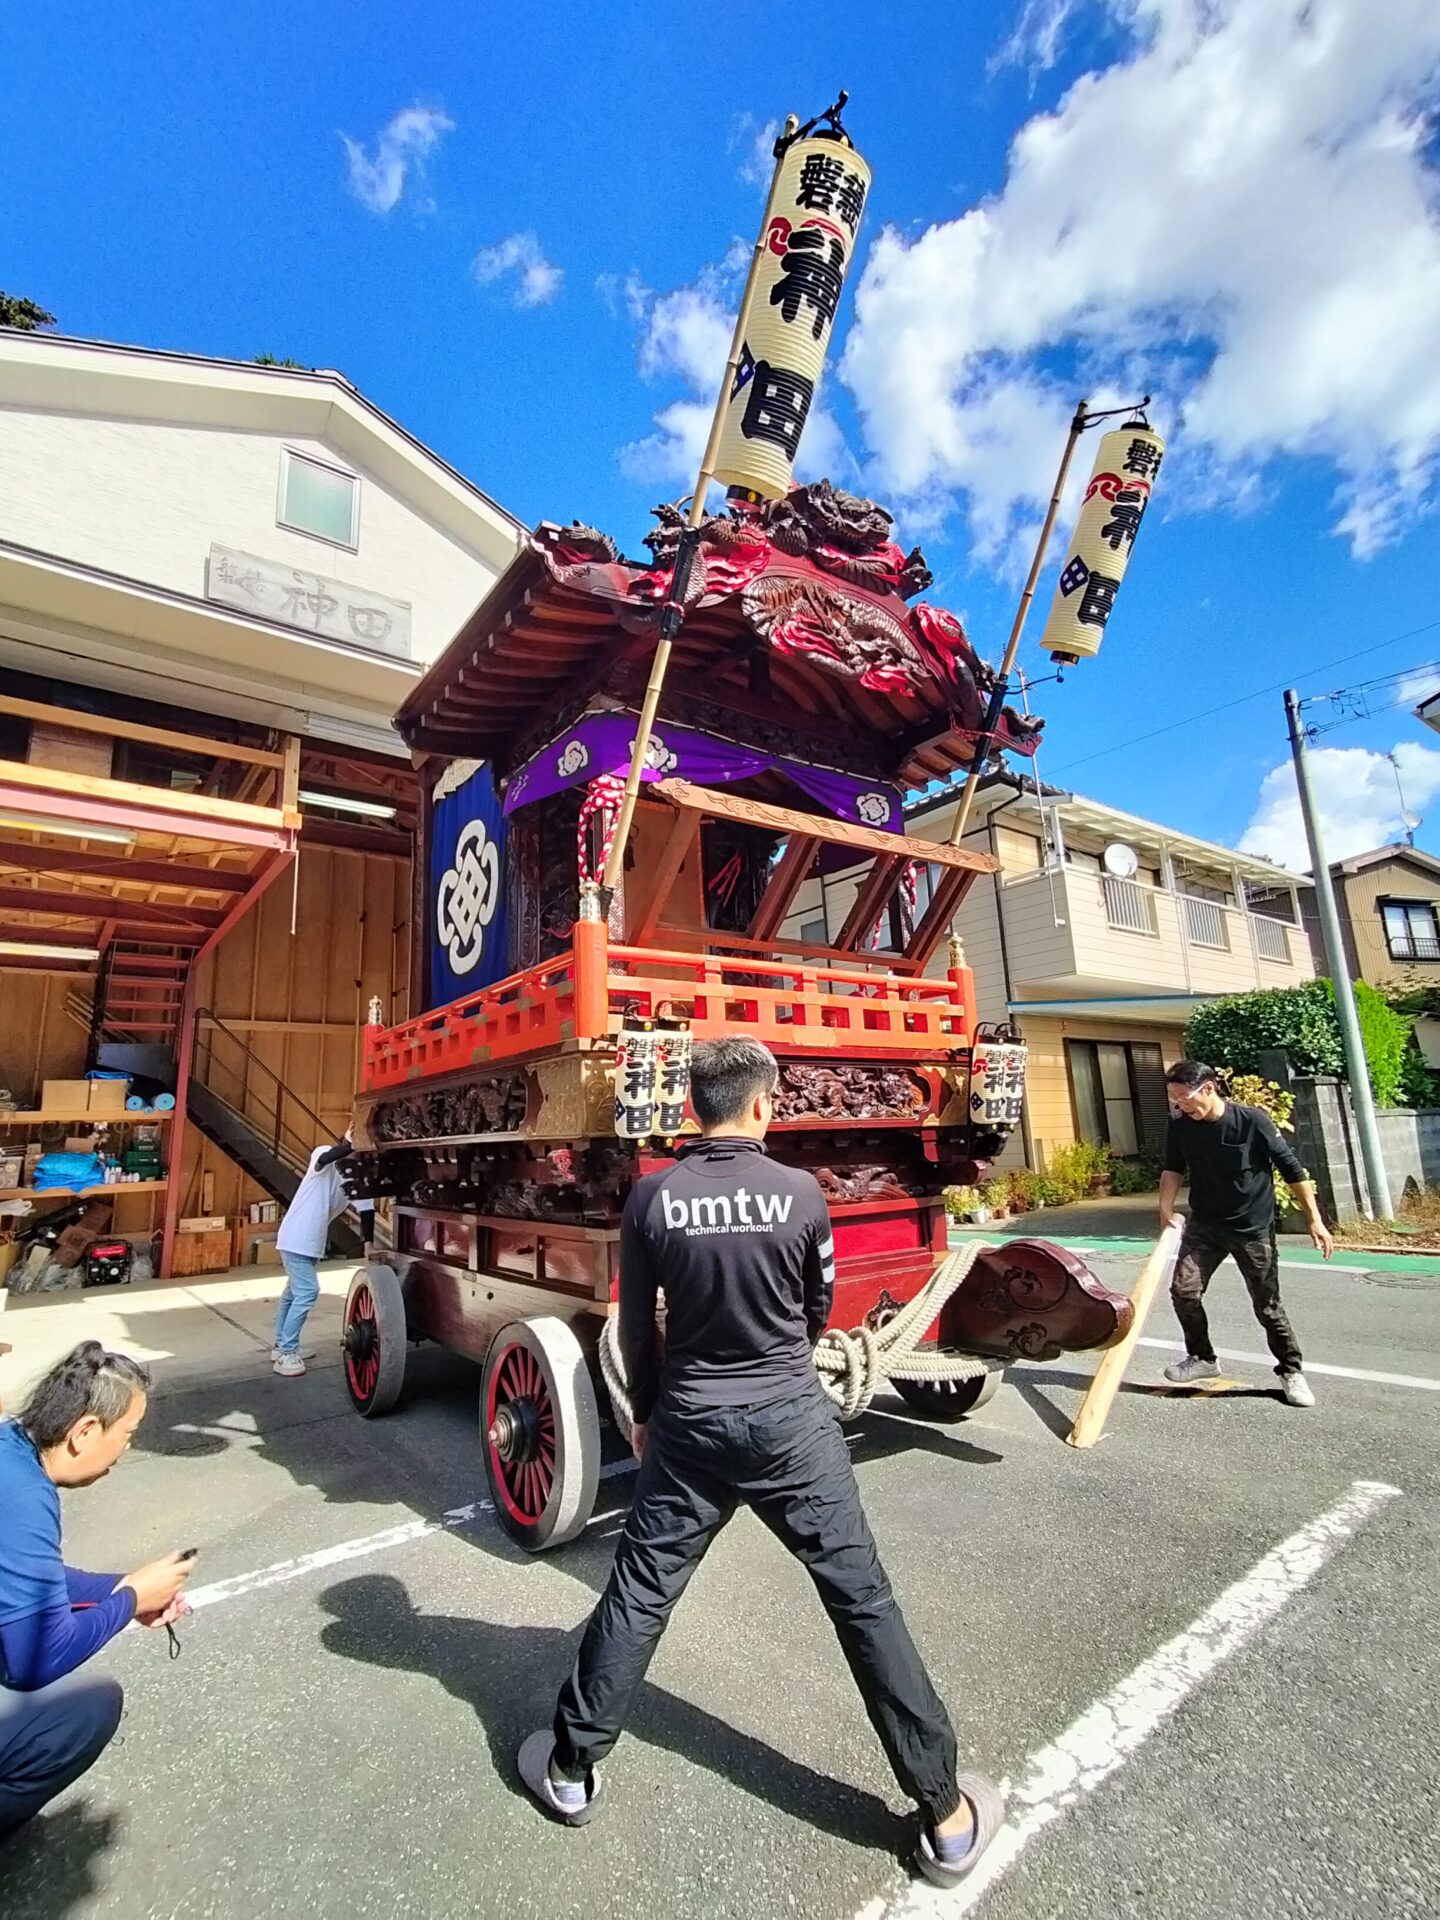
point(52, 1617)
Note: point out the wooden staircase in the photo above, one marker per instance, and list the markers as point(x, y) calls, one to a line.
point(138, 993)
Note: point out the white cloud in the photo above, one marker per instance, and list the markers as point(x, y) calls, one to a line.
point(754, 140)
point(401, 150)
point(631, 293)
point(685, 335)
point(1356, 798)
point(538, 279)
point(1240, 215)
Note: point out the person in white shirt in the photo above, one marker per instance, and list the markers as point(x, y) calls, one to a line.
point(319, 1199)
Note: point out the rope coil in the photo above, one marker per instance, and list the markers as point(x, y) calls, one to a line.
point(853, 1366)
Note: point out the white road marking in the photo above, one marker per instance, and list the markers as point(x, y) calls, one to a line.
point(1311, 1366)
point(283, 1571)
point(1110, 1732)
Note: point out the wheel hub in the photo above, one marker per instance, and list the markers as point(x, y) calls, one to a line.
point(515, 1434)
point(361, 1339)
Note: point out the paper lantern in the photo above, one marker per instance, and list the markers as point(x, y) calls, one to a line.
point(809, 242)
point(1125, 470)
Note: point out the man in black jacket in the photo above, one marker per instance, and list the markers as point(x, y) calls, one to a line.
point(1230, 1154)
point(735, 1413)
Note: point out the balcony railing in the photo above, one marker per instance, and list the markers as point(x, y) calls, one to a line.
point(1414, 946)
point(1272, 940)
point(1129, 906)
point(1204, 923)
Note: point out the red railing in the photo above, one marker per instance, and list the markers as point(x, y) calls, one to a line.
point(582, 994)
point(792, 1005)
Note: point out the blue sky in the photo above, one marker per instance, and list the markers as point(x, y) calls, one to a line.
point(522, 255)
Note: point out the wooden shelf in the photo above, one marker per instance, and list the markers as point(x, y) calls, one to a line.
point(62, 1118)
point(82, 1193)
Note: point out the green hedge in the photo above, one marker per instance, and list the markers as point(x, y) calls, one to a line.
point(1302, 1020)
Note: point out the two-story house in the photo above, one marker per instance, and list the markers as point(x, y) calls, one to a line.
point(1389, 907)
point(218, 580)
point(1098, 937)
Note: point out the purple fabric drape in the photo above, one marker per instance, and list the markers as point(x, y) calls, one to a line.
point(601, 743)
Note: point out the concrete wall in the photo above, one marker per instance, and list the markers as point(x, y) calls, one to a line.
point(1328, 1142)
point(145, 498)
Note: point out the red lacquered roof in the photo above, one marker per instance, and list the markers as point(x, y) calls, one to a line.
point(796, 619)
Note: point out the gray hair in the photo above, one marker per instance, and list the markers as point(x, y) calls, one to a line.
point(727, 1074)
point(87, 1381)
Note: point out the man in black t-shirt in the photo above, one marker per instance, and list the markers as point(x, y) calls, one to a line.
point(733, 1414)
point(1230, 1153)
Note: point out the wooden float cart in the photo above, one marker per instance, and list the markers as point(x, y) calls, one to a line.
point(805, 696)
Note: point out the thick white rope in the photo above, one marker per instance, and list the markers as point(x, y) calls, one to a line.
point(854, 1366)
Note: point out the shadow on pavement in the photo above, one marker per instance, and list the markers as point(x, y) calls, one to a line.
point(510, 1677)
point(48, 1868)
point(427, 1455)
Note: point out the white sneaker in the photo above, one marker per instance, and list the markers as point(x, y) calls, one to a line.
point(289, 1366)
point(1183, 1372)
point(306, 1353)
point(1296, 1389)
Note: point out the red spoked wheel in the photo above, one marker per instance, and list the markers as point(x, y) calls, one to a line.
point(541, 1431)
point(374, 1341)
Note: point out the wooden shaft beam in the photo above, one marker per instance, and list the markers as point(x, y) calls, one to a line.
point(784, 883)
point(192, 921)
point(872, 899)
point(951, 889)
point(19, 773)
point(683, 835)
point(117, 729)
point(116, 866)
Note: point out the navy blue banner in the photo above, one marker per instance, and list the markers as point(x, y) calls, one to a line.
point(467, 890)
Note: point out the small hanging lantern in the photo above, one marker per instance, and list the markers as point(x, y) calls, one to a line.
point(1126, 467)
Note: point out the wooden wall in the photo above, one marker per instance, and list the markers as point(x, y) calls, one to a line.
point(300, 1001)
point(38, 1039)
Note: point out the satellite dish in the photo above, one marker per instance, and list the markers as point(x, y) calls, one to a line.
point(1121, 861)
point(1410, 821)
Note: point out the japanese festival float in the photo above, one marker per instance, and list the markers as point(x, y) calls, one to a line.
point(630, 769)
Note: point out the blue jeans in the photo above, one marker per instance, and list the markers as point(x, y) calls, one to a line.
point(302, 1290)
point(49, 1738)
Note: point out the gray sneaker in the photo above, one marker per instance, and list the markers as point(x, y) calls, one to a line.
point(1296, 1389)
point(1184, 1373)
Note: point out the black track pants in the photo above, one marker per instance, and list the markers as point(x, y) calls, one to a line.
point(1202, 1248)
point(790, 1464)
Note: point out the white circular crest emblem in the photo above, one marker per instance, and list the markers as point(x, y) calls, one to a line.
point(468, 894)
point(873, 809)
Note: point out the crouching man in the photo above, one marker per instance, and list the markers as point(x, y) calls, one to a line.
point(53, 1725)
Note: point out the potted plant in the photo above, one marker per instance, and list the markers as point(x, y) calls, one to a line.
point(995, 1195)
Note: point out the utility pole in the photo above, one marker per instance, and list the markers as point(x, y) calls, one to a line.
point(1378, 1205)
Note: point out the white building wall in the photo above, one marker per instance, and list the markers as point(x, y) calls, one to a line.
point(145, 499)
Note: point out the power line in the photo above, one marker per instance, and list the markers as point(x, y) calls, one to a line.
point(1225, 706)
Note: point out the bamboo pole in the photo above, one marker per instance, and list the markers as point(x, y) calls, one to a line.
point(1007, 665)
point(673, 612)
point(1095, 1407)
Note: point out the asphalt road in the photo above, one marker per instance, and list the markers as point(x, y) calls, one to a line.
point(342, 1741)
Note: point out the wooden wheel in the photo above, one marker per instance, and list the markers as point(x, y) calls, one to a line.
point(949, 1399)
point(374, 1341)
point(541, 1432)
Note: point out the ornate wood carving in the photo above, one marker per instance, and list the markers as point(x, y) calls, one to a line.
point(1031, 1300)
point(490, 1103)
point(849, 1093)
point(842, 1185)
